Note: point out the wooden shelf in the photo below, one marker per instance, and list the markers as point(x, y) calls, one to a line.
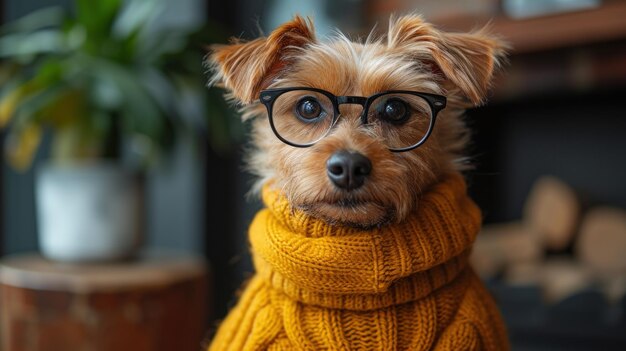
point(605, 23)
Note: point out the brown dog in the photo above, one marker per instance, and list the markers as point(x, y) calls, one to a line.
point(345, 133)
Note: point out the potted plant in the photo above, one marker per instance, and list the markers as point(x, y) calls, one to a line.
point(107, 90)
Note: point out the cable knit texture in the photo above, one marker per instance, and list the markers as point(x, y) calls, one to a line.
point(404, 286)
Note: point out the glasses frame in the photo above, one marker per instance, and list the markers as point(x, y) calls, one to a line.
point(436, 102)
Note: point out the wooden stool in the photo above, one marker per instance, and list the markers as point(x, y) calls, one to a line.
point(156, 302)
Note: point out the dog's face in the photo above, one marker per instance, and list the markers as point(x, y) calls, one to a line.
point(350, 173)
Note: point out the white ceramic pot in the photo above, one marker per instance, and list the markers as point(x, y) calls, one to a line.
point(88, 212)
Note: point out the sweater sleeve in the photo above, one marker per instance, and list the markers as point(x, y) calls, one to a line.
point(251, 325)
point(477, 325)
point(460, 336)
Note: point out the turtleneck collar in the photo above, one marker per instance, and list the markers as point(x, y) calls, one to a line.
point(343, 267)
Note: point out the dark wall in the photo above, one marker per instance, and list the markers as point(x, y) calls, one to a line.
point(228, 211)
point(1, 173)
point(578, 137)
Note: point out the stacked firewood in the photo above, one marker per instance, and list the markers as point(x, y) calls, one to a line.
point(559, 246)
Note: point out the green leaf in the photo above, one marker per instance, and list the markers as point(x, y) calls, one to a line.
point(136, 16)
point(23, 47)
point(39, 19)
point(157, 45)
point(51, 70)
point(140, 112)
point(97, 15)
point(161, 89)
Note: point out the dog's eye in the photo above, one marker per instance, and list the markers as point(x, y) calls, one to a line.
point(394, 111)
point(308, 109)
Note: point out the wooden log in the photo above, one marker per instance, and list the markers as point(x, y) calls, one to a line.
point(155, 303)
point(552, 210)
point(557, 278)
point(524, 274)
point(499, 245)
point(613, 286)
point(562, 278)
point(602, 240)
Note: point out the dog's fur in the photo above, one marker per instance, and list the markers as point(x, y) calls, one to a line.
point(412, 55)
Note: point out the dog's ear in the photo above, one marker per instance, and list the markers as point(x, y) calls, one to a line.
point(246, 68)
point(467, 60)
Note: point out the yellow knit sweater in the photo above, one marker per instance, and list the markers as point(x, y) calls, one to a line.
point(404, 286)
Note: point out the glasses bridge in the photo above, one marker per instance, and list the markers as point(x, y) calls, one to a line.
point(355, 100)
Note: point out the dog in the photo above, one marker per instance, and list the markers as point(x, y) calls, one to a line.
point(358, 146)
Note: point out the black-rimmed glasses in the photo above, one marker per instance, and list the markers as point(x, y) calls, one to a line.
point(301, 116)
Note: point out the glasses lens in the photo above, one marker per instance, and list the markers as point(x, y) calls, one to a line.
point(302, 117)
point(403, 120)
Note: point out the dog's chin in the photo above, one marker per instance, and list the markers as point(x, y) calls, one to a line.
point(357, 214)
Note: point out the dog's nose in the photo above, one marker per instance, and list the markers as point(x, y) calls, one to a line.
point(348, 169)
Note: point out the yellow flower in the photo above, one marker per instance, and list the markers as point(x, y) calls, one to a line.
point(21, 147)
point(8, 105)
point(11, 101)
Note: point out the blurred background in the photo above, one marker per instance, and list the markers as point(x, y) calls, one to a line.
point(111, 143)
